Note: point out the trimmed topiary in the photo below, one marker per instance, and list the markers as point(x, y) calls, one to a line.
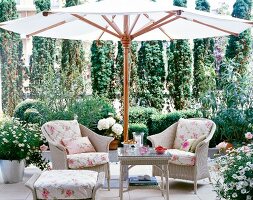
point(37, 105)
point(140, 114)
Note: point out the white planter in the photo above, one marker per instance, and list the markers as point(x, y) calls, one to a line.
point(12, 171)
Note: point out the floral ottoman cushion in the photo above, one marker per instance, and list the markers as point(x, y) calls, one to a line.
point(66, 184)
point(82, 160)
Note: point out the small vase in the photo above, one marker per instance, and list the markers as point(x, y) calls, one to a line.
point(12, 170)
point(114, 144)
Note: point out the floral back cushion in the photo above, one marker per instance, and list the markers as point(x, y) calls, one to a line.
point(191, 129)
point(59, 129)
point(78, 145)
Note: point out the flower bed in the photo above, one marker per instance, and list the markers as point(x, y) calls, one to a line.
point(235, 172)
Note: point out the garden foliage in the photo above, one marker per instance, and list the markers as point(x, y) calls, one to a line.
point(204, 68)
point(103, 69)
point(235, 175)
point(151, 74)
point(43, 55)
point(140, 114)
point(239, 48)
point(160, 122)
point(10, 60)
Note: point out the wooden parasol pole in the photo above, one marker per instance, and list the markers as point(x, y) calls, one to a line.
point(126, 42)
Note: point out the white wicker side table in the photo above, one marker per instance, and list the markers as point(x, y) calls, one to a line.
point(131, 158)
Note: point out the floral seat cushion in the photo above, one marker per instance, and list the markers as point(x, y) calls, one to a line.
point(180, 157)
point(66, 184)
point(59, 129)
point(191, 129)
point(83, 160)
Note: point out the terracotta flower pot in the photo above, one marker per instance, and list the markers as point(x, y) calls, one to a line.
point(114, 144)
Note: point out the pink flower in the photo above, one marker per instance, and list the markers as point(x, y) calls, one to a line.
point(43, 147)
point(222, 145)
point(248, 135)
point(174, 157)
point(246, 149)
point(45, 193)
point(185, 144)
point(69, 193)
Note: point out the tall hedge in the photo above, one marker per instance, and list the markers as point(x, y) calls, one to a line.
point(239, 48)
point(151, 74)
point(11, 60)
point(72, 61)
point(180, 72)
point(103, 69)
point(43, 55)
point(204, 65)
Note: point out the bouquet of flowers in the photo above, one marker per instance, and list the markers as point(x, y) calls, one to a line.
point(235, 174)
point(110, 127)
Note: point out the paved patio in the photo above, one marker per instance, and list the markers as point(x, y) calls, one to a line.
point(179, 190)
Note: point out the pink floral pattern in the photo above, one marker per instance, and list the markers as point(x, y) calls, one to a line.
point(182, 157)
point(78, 145)
point(59, 129)
point(65, 184)
point(83, 160)
point(191, 129)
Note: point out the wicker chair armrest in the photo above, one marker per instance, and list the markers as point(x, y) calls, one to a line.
point(100, 142)
point(59, 156)
point(165, 138)
point(202, 153)
point(30, 184)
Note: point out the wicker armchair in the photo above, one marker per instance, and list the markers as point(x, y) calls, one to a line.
point(60, 157)
point(193, 171)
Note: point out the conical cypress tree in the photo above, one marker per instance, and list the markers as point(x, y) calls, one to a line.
point(151, 74)
point(239, 48)
point(72, 61)
point(11, 61)
point(204, 69)
point(180, 72)
point(102, 69)
point(43, 53)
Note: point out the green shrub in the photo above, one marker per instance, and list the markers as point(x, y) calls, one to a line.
point(140, 114)
point(138, 128)
point(37, 105)
point(90, 110)
point(158, 123)
point(32, 115)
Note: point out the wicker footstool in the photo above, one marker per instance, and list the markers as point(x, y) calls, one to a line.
point(66, 184)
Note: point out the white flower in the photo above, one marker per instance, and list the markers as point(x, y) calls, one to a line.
point(111, 121)
point(248, 197)
point(103, 124)
point(243, 191)
point(234, 195)
point(117, 128)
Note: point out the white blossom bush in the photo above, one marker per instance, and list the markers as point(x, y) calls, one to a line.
point(20, 141)
point(109, 127)
point(235, 172)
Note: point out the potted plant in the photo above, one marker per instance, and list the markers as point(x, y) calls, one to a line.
point(109, 127)
point(20, 145)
